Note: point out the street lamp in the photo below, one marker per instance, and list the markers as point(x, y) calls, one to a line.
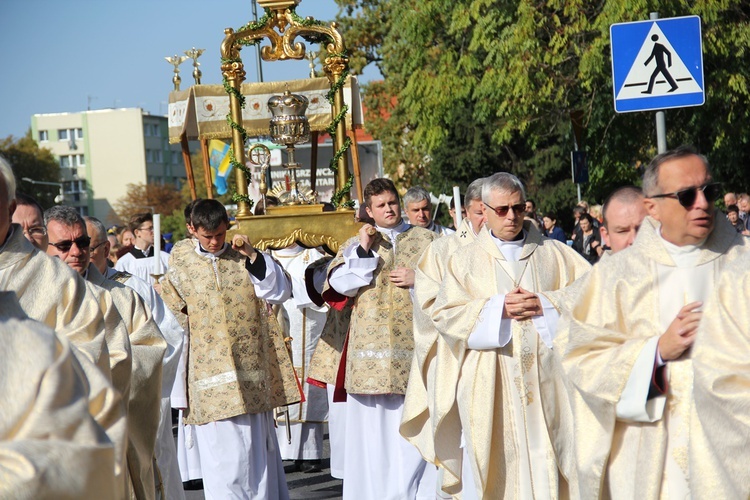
point(60, 198)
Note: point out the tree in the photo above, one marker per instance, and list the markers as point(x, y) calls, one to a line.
point(140, 198)
point(478, 86)
point(28, 160)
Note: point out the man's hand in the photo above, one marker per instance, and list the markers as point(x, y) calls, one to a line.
point(402, 277)
point(157, 287)
point(367, 236)
point(521, 304)
point(241, 243)
point(681, 333)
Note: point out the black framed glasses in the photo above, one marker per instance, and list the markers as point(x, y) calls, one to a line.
point(91, 249)
point(687, 197)
point(147, 228)
point(64, 246)
point(518, 209)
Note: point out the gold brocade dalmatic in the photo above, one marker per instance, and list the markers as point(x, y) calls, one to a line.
point(237, 362)
point(616, 313)
point(720, 418)
point(381, 342)
point(507, 401)
point(416, 425)
point(53, 294)
point(148, 347)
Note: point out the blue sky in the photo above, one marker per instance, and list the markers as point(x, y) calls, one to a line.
point(59, 56)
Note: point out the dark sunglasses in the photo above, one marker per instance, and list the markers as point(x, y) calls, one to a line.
point(687, 197)
point(519, 208)
point(64, 246)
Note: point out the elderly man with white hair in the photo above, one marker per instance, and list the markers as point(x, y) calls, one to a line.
point(496, 313)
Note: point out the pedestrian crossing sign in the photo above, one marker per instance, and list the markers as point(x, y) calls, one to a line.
point(657, 64)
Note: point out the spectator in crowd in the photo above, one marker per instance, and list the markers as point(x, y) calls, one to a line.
point(733, 215)
point(589, 242)
point(551, 230)
point(30, 216)
point(730, 199)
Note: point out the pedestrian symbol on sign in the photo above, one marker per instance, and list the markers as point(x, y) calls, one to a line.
point(658, 54)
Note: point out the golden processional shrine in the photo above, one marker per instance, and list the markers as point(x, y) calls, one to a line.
point(290, 113)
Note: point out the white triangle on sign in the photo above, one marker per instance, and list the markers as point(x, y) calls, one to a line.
point(637, 82)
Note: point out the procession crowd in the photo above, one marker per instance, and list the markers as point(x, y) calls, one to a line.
point(497, 359)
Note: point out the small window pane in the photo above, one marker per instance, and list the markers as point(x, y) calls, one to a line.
point(62, 134)
point(79, 133)
point(43, 135)
point(65, 161)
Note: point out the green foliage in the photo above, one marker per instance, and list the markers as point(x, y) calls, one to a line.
point(28, 160)
point(477, 86)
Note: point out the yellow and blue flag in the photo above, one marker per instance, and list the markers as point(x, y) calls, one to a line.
point(218, 159)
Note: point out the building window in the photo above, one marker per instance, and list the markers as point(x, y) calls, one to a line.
point(79, 133)
point(149, 156)
point(43, 136)
point(158, 158)
point(65, 162)
point(80, 161)
point(62, 134)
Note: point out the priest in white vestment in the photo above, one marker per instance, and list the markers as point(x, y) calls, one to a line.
point(302, 320)
point(139, 261)
point(500, 412)
point(51, 293)
point(375, 273)
point(720, 417)
point(416, 422)
point(625, 345)
point(166, 455)
point(50, 445)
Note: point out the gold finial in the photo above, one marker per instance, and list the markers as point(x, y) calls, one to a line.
point(194, 54)
point(310, 56)
point(175, 61)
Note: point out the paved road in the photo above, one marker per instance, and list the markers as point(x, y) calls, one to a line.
point(302, 486)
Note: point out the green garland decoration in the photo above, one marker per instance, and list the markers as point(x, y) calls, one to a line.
point(331, 129)
point(253, 25)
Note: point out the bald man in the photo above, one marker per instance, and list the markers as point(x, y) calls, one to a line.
point(622, 215)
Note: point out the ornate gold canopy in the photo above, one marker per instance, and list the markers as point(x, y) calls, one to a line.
point(281, 27)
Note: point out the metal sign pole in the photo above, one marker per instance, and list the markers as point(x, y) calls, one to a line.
point(661, 127)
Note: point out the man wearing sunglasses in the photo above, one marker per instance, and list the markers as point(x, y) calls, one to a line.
point(626, 342)
point(135, 344)
point(496, 311)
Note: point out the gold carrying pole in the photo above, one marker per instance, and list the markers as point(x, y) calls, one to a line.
point(234, 72)
point(335, 67)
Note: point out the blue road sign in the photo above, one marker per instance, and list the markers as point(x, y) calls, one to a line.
point(657, 64)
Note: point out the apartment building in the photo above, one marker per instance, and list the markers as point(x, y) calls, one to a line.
point(102, 151)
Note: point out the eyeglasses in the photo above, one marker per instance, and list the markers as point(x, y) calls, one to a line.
point(91, 249)
point(518, 209)
point(37, 231)
point(687, 197)
point(150, 228)
point(64, 246)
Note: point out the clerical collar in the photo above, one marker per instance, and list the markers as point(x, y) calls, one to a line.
point(512, 249)
point(683, 256)
point(205, 253)
point(145, 251)
point(392, 232)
